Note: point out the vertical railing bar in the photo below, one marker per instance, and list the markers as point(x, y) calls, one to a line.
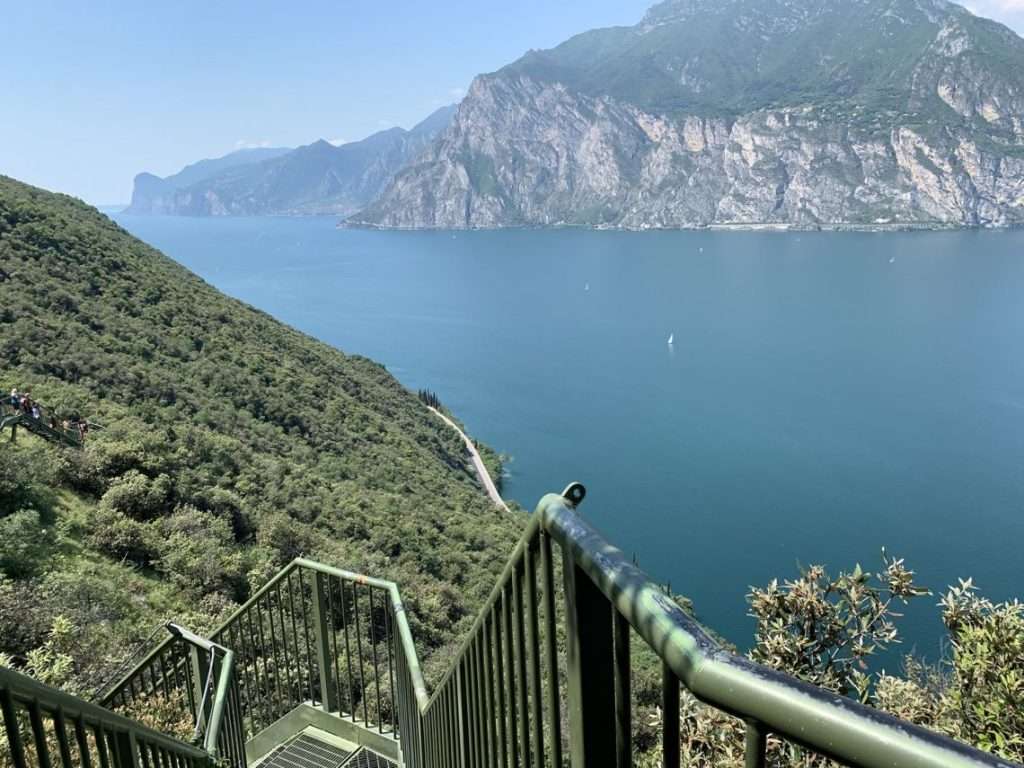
point(271, 647)
point(274, 707)
point(478, 719)
point(623, 697)
point(454, 758)
point(400, 685)
point(305, 632)
point(82, 737)
point(471, 719)
point(376, 669)
point(322, 630)
point(482, 682)
point(455, 723)
point(300, 665)
point(181, 679)
point(153, 682)
point(499, 680)
point(11, 728)
point(39, 734)
point(391, 665)
point(99, 735)
point(518, 576)
point(670, 713)
point(291, 702)
point(135, 682)
point(163, 672)
point(259, 695)
point(551, 650)
point(334, 637)
point(359, 646)
point(534, 644)
point(147, 689)
point(756, 746)
point(510, 672)
point(348, 653)
point(60, 726)
point(487, 637)
point(463, 729)
point(446, 741)
point(116, 746)
point(242, 655)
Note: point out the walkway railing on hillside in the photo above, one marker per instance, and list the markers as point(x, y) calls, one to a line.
point(45, 426)
point(522, 693)
point(312, 634)
point(545, 675)
point(193, 679)
point(45, 727)
point(319, 635)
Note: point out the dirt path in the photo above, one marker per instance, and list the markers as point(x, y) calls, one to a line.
point(478, 463)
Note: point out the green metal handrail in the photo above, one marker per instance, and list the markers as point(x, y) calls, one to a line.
point(544, 674)
point(319, 635)
point(500, 701)
point(202, 674)
point(99, 737)
point(11, 418)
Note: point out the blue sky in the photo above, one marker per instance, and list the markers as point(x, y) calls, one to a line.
point(92, 93)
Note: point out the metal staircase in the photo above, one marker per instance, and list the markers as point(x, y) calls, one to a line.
point(12, 418)
point(319, 670)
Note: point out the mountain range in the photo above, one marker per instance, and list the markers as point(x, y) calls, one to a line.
point(728, 113)
point(810, 113)
point(319, 178)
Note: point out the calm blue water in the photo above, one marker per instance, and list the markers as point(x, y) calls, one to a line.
point(820, 401)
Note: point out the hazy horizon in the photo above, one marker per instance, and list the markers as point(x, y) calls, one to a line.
point(115, 93)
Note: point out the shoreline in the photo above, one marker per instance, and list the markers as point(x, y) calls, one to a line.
point(744, 227)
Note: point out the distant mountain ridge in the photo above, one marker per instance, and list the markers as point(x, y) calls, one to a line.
point(808, 113)
point(151, 194)
point(319, 178)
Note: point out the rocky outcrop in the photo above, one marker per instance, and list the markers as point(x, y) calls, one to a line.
point(538, 145)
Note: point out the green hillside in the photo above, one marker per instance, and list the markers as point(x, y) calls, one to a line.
point(232, 444)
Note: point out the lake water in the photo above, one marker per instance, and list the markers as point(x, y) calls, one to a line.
point(827, 394)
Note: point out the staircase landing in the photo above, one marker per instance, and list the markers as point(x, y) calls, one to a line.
point(314, 748)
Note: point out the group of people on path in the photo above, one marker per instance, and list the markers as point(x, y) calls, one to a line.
point(22, 402)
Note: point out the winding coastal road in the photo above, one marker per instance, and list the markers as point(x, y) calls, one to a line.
point(478, 463)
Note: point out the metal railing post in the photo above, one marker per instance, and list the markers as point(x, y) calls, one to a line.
point(461, 728)
point(198, 686)
point(590, 669)
point(127, 750)
point(321, 629)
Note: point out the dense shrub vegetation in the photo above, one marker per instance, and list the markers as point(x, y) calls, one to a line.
point(232, 444)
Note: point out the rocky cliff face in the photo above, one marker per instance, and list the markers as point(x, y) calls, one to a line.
point(316, 179)
point(823, 135)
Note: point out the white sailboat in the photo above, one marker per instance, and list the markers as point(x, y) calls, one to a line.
point(671, 339)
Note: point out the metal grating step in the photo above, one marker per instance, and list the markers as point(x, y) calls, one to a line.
point(364, 758)
point(305, 751)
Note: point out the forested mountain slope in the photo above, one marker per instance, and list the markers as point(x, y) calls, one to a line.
point(233, 443)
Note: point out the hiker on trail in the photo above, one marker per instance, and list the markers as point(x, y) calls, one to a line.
point(15, 399)
point(36, 413)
